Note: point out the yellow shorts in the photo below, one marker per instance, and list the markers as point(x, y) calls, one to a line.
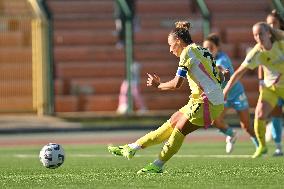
point(201, 113)
point(271, 94)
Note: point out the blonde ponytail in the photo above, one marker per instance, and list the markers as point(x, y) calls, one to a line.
point(183, 25)
point(181, 31)
point(277, 34)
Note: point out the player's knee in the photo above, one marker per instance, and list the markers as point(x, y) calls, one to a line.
point(260, 114)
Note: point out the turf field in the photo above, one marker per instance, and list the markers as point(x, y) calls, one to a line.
point(199, 164)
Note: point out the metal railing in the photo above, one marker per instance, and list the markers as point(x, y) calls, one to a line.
point(206, 24)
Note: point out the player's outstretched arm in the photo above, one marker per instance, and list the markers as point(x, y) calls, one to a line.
point(154, 81)
point(234, 79)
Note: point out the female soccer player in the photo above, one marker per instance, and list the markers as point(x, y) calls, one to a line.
point(269, 53)
point(206, 101)
point(236, 98)
point(267, 77)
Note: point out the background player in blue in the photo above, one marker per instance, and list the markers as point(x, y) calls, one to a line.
point(236, 98)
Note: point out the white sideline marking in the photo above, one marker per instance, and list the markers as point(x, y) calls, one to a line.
point(146, 155)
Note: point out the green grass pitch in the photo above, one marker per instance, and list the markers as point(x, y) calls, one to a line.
point(197, 165)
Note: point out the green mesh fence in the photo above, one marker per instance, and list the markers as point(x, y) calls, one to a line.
point(16, 89)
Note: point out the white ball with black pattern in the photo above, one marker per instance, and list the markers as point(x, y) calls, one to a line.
point(52, 155)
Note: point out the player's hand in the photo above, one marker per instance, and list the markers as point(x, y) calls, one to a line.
point(153, 80)
point(226, 74)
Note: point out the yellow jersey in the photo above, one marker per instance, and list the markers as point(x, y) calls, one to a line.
point(202, 74)
point(272, 60)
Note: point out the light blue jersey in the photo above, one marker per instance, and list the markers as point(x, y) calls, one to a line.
point(236, 97)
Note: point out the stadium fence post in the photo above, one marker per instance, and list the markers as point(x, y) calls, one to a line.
point(128, 50)
point(43, 90)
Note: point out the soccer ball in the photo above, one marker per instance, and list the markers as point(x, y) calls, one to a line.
point(52, 155)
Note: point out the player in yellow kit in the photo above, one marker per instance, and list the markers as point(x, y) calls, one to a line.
point(266, 78)
point(268, 52)
point(206, 101)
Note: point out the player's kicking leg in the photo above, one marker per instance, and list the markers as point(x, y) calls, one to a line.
point(155, 137)
point(125, 151)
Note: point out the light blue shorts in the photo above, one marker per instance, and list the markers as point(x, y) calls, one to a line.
point(240, 102)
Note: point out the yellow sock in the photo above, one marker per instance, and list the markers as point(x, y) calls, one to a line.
point(259, 129)
point(172, 146)
point(156, 137)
